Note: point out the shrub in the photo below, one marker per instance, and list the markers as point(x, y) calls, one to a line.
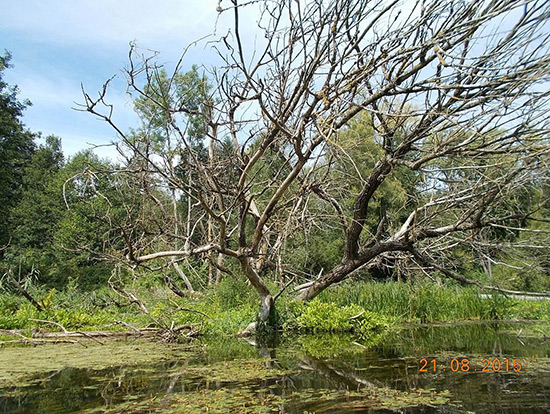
point(317, 316)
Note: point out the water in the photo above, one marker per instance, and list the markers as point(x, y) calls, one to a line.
point(304, 374)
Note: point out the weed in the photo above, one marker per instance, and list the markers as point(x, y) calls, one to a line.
point(229, 307)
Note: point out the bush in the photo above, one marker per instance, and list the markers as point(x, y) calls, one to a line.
point(317, 316)
point(9, 303)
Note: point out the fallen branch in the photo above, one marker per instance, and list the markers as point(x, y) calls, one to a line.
point(52, 323)
point(26, 340)
point(132, 327)
point(189, 310)
point(59, 336)
point(65, 331)
point(22, 290)
point(308, 284)
point(32, 341)
point(358, 315)
point(283, 289)
point(459, 278)
point(130, 296)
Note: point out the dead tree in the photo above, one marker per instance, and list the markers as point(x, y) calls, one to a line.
point(456, 93)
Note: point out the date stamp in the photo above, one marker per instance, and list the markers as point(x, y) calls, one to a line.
point(434, 365)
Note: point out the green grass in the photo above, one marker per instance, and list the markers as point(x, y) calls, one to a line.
point(429, 302)
point(229, 307)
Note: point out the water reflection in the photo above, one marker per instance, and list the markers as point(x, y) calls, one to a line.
point(328, 374)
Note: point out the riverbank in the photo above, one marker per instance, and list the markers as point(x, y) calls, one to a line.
point(230, 307)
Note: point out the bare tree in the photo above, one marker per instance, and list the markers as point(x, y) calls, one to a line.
point(455, 92)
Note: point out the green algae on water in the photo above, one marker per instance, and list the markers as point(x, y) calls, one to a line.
point(18, 363)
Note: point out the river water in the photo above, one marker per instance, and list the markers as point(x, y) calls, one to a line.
point(458, 368)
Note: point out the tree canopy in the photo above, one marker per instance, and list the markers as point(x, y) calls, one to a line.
point(16, 148)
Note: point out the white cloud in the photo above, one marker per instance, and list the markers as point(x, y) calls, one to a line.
point(58, 44)
point(110, 22)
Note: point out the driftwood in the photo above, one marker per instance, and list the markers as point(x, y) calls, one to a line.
point(31, 341)
point(41, 338)
point(98, 334)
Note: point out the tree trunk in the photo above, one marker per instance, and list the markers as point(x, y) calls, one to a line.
point(219, 273)
point(336, 275)
point(183, 276)
point(267, 304)
point(267, 309)
point(210, 267)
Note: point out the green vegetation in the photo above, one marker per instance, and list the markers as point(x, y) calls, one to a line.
point(318, 316)
point(364, 309)
point(431, 302)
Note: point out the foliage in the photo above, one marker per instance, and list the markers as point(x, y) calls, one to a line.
point(222, 313)
point(15, 314)
point(534, 278)
point(432, 302)
point(232, 293)
point(82, 229)
point(16, 149)
point(37, 214)
point(186, 91)
point(317, 316)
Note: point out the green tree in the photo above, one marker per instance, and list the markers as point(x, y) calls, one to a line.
point(16, 149)
point(37, 215)
point(82, 233)
point(41, 204)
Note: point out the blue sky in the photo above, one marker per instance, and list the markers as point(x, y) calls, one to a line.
point(57, 45)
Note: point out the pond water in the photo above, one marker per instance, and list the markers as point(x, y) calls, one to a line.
point(479, 367)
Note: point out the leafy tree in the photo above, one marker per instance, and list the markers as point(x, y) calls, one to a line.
point(187, 91)
point(41, 204)
point(82, 232)
point(16, 149)
point(37, 215)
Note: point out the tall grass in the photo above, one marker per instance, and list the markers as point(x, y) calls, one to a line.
point(429, 302)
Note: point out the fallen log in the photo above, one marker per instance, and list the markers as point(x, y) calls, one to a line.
point(65, 336)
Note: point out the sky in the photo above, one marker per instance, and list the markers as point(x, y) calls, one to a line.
point(60, 44)
point(57, 45)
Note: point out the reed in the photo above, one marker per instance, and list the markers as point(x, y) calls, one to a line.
point(431, 302)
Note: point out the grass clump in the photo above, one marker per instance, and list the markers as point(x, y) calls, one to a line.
point(431, 302)
point(318, 316)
